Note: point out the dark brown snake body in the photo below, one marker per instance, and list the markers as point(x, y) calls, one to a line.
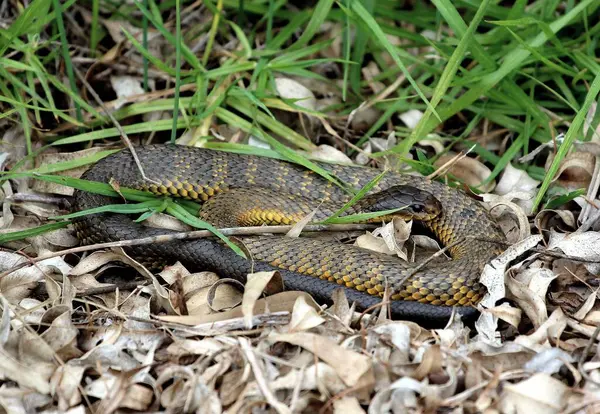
point(318, 267)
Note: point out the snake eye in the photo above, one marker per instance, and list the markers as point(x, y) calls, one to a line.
point(418, 208)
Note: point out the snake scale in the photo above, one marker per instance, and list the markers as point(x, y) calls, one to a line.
point(309, 264)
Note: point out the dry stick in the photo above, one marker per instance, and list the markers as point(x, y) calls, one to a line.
point(100, 289)
point(411, 274)
point(261, 381)
point(59, 201)
point(233, 231)
point(116, 124)
point(261, 230)
point(584, 355)
point(429, 259)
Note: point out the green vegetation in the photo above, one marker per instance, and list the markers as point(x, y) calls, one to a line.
point(471, 67)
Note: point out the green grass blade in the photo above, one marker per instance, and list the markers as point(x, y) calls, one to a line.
point(363, 15)
point(356, 198)
point(446, 78)
point(180, 213)
point(570, 137)
point(36, 231)
point(319, 15)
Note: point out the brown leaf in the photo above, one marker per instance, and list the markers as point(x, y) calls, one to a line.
point(349, 365)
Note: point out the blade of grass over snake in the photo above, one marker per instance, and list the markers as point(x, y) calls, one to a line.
point(361, 217)
point(148, 201)
point(152, 205)
point(286, 152)
point(244, 149)
point(356, 198)
point(182, 214)
point(89, 186)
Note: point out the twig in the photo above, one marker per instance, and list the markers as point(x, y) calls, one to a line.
point(260, 379)
point(383, 302)
point(117, 125)
point(429, 259)
point(100, 289)
point(235, 324)
point(584, 355)
point(233, 231)
point(61, 202)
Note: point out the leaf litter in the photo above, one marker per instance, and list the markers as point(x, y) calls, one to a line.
point(184, 344)
point(104, 334)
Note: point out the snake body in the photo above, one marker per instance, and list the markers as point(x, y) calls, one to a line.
point(316, 266)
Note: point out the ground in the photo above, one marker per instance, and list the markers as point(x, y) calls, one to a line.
point(497, 98)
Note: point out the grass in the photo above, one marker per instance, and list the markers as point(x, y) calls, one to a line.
point(529, 69)
point(499, 80)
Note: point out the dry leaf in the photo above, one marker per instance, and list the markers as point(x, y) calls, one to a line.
point(529, 289)
point(411, 118)
point(551, 329)
point(493, 278)
point(507, 313)
point(304, 316)
point(388, 239)
point(124, 87)
point(517, 181)
point(539, 394)
point(255, 286)
point(575, 170)
point(301, 95)
point(469, 170)
point(280, 302)
point(349, 365)
point(579, 245)
point(328, 153)
point(347, 405)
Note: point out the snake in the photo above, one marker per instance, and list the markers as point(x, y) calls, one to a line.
point(242, 189)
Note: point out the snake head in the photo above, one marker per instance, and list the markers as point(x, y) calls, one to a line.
point(414, 204)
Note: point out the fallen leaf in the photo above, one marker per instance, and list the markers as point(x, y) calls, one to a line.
point(347, 405)
point(255, 286)
point(517, 181)
point(579, 245)
point(293, 90)
point(493, 279)
point(304, 316)
point(469, 170)
point(388, 239)
point(349, 365)
point(280, 302)
point(539, 394)
point(328, 153)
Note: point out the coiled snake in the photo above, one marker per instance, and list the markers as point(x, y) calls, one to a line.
point(237, 189)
